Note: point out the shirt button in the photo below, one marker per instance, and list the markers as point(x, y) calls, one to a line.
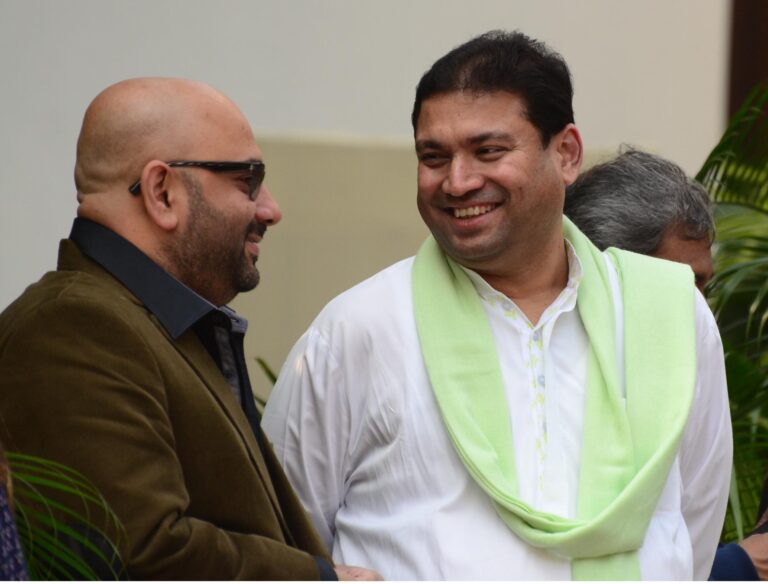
point(537, 336)
point(541, 380)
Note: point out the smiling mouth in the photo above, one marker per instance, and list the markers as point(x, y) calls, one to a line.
point(475, 211)
point(252, 245)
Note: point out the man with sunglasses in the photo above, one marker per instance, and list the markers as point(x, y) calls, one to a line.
point(126, 364)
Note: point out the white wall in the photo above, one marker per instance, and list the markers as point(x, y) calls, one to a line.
point(650, 73)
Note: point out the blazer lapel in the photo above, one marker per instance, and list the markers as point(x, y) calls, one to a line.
point(198, 358)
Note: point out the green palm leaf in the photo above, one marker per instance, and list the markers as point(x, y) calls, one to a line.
point(736, 176)
point(65, 525)
point(736, 171)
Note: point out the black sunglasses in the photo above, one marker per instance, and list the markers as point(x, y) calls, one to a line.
point(256, 171)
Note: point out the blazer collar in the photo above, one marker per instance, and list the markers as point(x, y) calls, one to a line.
point(176, 309)
point(175, 305)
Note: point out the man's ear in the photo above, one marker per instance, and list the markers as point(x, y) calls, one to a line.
point(571, 152)
point(160, 194)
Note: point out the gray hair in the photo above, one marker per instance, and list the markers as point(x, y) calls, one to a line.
point(632, 201)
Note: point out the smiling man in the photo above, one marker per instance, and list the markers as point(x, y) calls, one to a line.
point(126, 364)
point(511, 403)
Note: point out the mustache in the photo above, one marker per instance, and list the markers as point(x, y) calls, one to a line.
point(476, 197)
point(256, 228)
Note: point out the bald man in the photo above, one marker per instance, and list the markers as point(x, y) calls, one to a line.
point(125, 363)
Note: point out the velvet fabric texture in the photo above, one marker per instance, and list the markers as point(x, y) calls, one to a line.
point(90, 378)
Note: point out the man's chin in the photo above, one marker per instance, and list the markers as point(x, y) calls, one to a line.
point(468, 253)
point(248, 281)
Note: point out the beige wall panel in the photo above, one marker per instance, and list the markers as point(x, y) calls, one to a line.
point(650, 73)
point(349, 210)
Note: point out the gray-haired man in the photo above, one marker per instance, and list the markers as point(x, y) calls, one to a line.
point(644, 203)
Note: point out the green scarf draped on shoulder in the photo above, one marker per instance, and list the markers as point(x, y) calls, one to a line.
point(627, 449)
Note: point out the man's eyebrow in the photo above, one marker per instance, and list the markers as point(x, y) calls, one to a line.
point(485, 136)
point(425, 144)
point(472, 140)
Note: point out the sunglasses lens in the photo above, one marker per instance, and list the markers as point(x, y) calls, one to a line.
point(256, 179)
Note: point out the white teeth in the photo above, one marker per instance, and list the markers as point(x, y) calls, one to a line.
point(472, 211)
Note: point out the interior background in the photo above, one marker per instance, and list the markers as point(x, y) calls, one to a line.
point(328, 87)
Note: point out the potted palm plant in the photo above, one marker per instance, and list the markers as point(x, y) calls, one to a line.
point(736, 176)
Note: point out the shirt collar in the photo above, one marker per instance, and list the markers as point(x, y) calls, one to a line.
point(175, 305)
point(575, 273)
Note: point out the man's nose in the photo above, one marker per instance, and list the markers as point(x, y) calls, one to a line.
point(267, 210)
point(462, 178)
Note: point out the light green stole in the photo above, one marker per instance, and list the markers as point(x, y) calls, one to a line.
point(627, 450)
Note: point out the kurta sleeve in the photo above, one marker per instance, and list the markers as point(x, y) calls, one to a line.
point(706, 453)
point(309, 423)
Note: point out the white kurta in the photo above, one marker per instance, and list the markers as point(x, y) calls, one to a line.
point(356, 426)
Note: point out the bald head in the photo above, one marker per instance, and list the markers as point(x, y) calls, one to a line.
point(138, 120)
point(130, 132)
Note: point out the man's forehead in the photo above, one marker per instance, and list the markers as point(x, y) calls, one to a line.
point(226, 135)
point(474, 100)
point(461, 105)
point(684, 249)
point(470, 119)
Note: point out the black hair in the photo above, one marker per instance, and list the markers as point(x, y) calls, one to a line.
point(506, 61)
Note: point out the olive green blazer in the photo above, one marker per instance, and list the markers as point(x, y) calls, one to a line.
point(89, 378)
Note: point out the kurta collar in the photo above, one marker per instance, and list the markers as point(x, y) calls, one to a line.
point(565, 301)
